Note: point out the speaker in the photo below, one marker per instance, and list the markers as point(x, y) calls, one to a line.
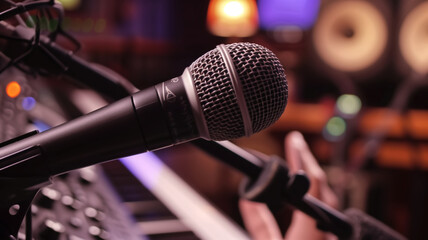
point(350, 50)
point(413, 36)
point(352, 36)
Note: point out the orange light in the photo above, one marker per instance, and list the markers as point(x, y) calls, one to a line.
point(232, 18)
point(13, 89)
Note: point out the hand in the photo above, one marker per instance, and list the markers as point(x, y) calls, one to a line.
point(258, 219)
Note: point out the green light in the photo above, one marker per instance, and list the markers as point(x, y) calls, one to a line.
point(348, 104)
point(336, 126)
point(100, 25)
point(87, 25)
point(76, 24)
point(70, 4)
point(67, 23)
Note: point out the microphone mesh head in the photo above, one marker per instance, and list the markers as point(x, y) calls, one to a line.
point(263, 84)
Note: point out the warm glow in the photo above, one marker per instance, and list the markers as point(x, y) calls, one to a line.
point(234, 9)
point(70, 4)
point(232, 18)
point(13, 89)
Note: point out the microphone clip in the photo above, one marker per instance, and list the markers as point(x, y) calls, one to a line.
point(269, 187)
point(275, 186)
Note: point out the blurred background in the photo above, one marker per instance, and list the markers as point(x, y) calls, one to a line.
point(357, 91)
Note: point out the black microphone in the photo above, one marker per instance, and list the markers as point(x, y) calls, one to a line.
point(368, 228)
point(232, 91)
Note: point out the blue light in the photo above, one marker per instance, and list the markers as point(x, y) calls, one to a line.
point(28, 103)
point(41, 126)
point(280, 13)
point(148, 173)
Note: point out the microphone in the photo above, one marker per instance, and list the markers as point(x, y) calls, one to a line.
point(232, 91)
point(368, 228)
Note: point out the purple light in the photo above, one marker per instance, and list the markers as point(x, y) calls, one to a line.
point(279, 13)
point(41, 126)
point(28, 103)
point(146, 167)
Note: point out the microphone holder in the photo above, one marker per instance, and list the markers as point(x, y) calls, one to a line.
point(269, 181)
point(275, 187)
point(17, 192)
point(17, 195)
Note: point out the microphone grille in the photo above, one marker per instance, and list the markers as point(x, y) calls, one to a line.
point(263, 82)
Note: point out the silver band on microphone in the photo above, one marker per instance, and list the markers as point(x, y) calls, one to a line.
point(195, 104)
point(236, 83)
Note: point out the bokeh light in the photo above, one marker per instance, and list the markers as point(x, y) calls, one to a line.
point(13, 89)
point(348, 105)
point(87, 25)
point(335, 128)
point(70, 4)
point(287, 13)
point(234, 9)
point(232, 18)
point(28, 103)
point(100, 25)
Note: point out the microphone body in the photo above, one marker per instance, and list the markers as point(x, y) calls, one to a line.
point(153, 118)
point(230, 92)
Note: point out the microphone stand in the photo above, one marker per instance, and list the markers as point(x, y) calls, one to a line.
point(268, 181)
point(17, 192)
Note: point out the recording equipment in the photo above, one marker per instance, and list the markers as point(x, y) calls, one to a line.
point(13, 105)
point(367, 228)
point(229, 92)
point(81, 204)
point(78, 205)
point(47, 57)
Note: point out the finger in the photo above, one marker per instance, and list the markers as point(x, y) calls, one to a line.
point(259, 221)
point(292, 142)
point(300, 154)
point(299, 157)
point(309, 162)
point(318, 177)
